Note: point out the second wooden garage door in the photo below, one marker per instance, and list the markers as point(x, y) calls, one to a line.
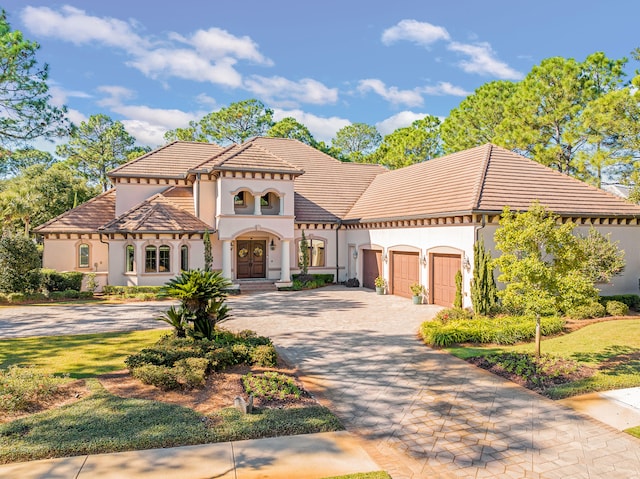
point(405, 270)
point(443, 278)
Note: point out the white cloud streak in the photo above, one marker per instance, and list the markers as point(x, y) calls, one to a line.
point(391, 94)
point(399, 120)
point(421, 33)
point(285, 93)
point(322, 128)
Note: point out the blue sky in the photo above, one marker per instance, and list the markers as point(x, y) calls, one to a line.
point(155, 65)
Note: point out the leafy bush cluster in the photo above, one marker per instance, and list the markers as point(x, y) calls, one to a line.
point(144, 293)
point(605, 307)
point(14, 298)
point(270, 385)
point(631, 300)
point(537, 372)
point(310, 281)
point(52, 280)
point(22, 388)
point(457, 328)
point(185, 362)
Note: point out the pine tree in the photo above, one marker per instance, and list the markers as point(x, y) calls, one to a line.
point(483, 286)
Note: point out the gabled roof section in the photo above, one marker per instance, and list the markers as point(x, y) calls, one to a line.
point(249, 157)
point(329, 187)
point(173, 160)
point(181, 196)
point(481, 179)
point(86, 218)
point(156, 215)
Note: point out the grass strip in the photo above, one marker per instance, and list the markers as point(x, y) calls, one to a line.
point(103, 423)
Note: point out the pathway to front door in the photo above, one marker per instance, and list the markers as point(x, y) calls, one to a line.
point(421, 412)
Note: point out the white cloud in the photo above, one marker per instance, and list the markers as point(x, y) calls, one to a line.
point(482, 60)
point(216, 43)
point(322, 129)
point(399, 120)
point(116, 95)
point(287, 93)
point(421, 33)
point(391, 94)
point(76, 117)
point(74, 25)
point(445, 88)
point(206, 101)
point(146, 133)
point(187, 64)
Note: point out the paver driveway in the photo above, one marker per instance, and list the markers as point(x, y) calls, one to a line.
point(421, 412)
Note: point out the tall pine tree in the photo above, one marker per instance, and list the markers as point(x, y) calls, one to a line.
point(484, 293)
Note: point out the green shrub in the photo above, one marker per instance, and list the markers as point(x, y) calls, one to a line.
point(35, 297)
point(131, 291)
point(270, 385)
point(57, 295)
point(19, 264)
point(159, 376)
point(221, 358)
point(3, 298)
point(616, 308)
point(53, 280)
point(264, 355)
point(498, 330)
point(541, 372)
point(85, 295)
point(631, 300)
point(71, 293)
point(191, 372)
point(241, 353)
point(587, 311)
point(22, 388)
point(452, 314)
point(16, 297)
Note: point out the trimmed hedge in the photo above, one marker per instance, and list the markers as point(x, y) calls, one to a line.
point(617, 308)
point(53, 280)
point(587, 311)
point(631, 300)
point(498, 330)
point(130, 290)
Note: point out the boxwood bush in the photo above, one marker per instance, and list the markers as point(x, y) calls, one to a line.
point(616, 308)
point(53, 280)
point(631, 300)
point(187, 361)
point(498, 330)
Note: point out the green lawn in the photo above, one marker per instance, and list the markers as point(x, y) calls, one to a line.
point(80, 356)
point(612, 347)
point(103, 423)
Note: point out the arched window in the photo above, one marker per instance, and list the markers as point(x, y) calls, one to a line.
point(129, 258)
point(150, 259)
point(83, 255)
point(164, 263)
point(184, 257)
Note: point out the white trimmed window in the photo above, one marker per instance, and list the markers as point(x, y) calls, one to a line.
point(184, 257)
point(316, 252)
point(129, 258)
point(157, 259)
point(83, 255)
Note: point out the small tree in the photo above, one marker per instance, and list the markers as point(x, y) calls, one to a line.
point(208, 255)
point(484, 294)
point(19, 264)
point(303, 262)
point(457, 302)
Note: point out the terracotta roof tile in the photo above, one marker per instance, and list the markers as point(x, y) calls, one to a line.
point(328, 188)
point(86, 218)
point(156, 215)
point(181, 196)
point(170, 161)
point(249, 157)
point(485, 178)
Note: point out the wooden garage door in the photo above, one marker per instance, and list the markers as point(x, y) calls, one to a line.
point(371, 267)
point(443, 278)
point(405, 271)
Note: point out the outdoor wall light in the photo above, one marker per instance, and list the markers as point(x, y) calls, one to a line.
point(465, 263)
point(355, 254)
point(424, 260)
point(272, 245)
point(385, 258)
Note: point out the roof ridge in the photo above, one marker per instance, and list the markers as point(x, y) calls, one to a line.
point(274, 155)
point(135, 207)
point(483, 174)
point(220, 153)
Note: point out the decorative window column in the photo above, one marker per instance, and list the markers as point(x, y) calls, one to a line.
point(285, 260)
point(257, 204)
point(281, 212)
point(226, 259)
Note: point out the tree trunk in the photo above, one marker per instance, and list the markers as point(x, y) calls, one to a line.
point(537, 335)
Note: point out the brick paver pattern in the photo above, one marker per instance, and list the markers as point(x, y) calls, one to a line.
point(422, 412)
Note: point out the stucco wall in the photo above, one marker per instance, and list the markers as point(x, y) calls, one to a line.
point(227, 188)
point(62, 255)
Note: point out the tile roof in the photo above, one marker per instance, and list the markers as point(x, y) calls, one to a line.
point(249, 157)
point(86, 218)
point(181, 196)
point(156, 215)
point(173, 160)
point(481, 179)
point(329, 187)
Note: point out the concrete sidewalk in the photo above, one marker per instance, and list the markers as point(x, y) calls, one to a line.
point(308, 456)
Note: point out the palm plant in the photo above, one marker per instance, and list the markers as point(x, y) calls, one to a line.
point(202, 295)
point(176, 318)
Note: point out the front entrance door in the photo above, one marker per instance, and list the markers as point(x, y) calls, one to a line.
point(251, 258)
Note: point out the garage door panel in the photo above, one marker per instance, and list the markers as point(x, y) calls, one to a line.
point(371, 267)
point(443, 278)
point(405, 270)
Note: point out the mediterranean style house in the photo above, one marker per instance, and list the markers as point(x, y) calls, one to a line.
point(412, 225)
